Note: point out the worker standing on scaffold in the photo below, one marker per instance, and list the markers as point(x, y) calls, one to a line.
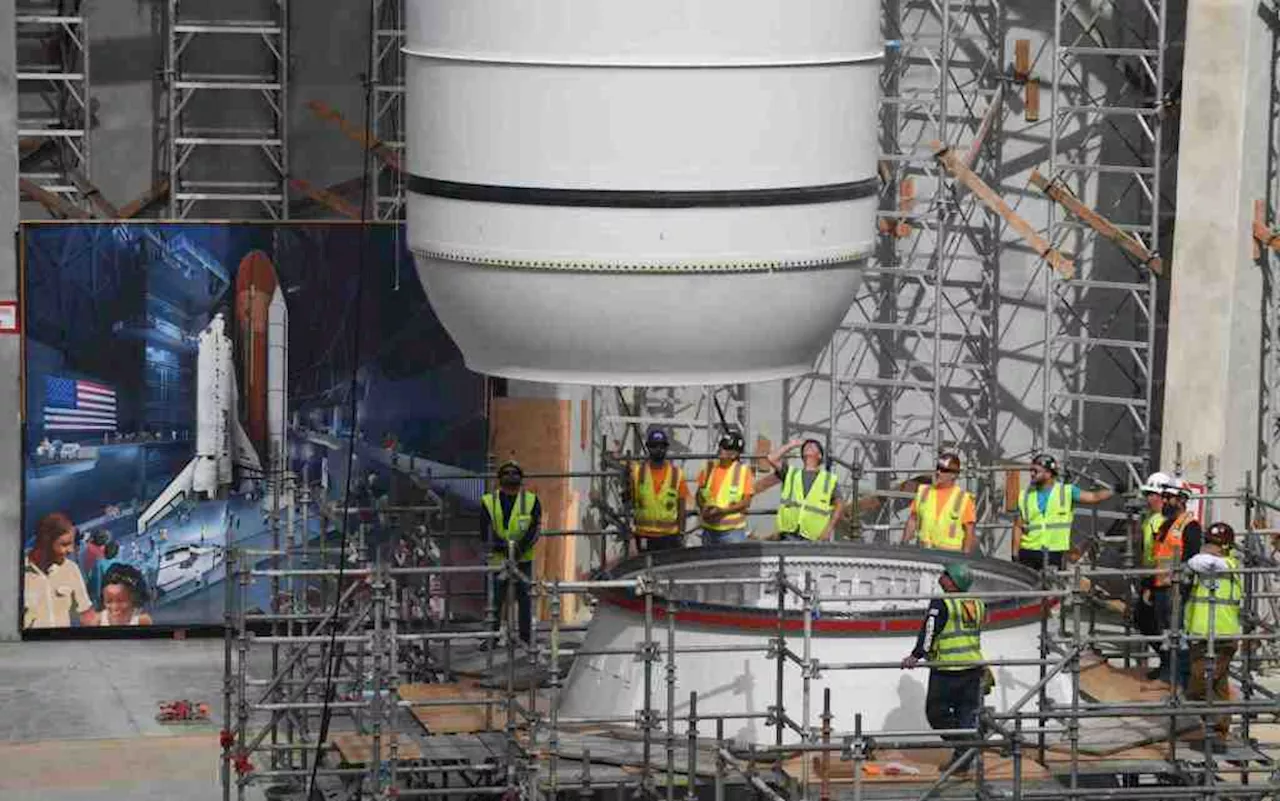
point(943, 513)
point(951, 638)
point(725, 489)
point(1042, 529)
point(1174, 542)
point(810, 505)
point(1144, 616)
point(1212, 611)
point(659, 497)
point(513, 514)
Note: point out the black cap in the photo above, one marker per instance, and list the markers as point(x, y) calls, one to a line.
point(732, 441)
point(1220, 534)
point(1047, 462)
point(656, 437)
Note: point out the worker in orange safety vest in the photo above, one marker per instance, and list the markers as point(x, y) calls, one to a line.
point(943, 513)
point(1177, 540)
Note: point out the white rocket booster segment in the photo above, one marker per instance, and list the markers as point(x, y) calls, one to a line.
point(277, 400)
point(642, 191)
point(221, 442)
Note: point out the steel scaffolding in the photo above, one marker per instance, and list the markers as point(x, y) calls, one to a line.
point(1111, 106)
point(226, 132)
point(387, 71)
point(1269, 262)
point(346, 636)
point(913, 368)
point(54, 107)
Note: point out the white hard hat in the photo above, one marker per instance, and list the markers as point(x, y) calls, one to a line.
point(1156, 482)
point(1176, 486)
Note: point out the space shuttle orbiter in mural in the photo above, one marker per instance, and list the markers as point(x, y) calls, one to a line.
point(234, 428)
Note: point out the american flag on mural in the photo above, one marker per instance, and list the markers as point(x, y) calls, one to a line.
point(72, 405)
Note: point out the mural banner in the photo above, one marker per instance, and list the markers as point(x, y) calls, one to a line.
point(186, 383)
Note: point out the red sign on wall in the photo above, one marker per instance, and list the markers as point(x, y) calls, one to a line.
point(9, 317)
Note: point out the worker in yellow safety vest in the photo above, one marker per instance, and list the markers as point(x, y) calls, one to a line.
point(943, 513)
point(951, 638)
point(810, 505)
point(1213, 611)
point(725, 489)
point(659, 498)
point(512, 515)
point(1145, 617)
point(1042, 529)
point(1175, 541)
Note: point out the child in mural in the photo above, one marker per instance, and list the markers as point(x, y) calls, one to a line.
point(110, 558)
point(124, 594)
point(53, 586)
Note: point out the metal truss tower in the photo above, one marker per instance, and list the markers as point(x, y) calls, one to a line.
point(1110, 109)
point(387, 71)
point(912, 369)
point(54, 109)
point(1269, 262)
point(226, 79)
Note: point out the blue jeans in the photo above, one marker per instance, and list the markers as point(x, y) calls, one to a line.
point(710, 537)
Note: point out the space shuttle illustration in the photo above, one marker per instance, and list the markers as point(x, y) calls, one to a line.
point(235, 430)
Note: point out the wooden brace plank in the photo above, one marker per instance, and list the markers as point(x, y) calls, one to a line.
point(55, 204)
point(326, 198)
point(143, 201)
point(953, 164)
point(984, 130)
point(359, 135)
point(1264, 237)
point(1097, 222)
point(94, 195)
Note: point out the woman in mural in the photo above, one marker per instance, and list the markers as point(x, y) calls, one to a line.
point(124, 594)
point(53, 587)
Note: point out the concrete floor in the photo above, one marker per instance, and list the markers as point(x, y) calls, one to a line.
point(78, 720)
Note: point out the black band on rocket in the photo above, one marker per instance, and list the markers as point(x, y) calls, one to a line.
point(643, 198)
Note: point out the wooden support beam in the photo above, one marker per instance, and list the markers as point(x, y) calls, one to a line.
point(359, 135)
point(984, 130)
point(326, 198)
point(31, 148)
point(54, 203)
point(955, 166)
point(1264, 237)
point(1097, 222)
point(303, 205)
point(144, 201)
point(93, 195)
point(1021, 59)
point(1031, 100)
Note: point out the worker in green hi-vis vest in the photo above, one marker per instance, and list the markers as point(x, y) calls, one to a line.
point(1042, 529)
point(1212, 611)
point(512, 514)
point(951, 638)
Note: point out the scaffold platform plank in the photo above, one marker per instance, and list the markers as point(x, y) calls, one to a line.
point(461, 719)
point(357, 749)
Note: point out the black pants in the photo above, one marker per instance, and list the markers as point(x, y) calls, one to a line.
point(1036, 559)
point(654, 544)
point(792, 536)
point(524, 603)
point(953, 701)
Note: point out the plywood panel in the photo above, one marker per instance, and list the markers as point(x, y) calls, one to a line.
point(357, 749)
point(537, 432)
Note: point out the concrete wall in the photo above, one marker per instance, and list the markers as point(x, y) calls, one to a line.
point(10, 351)
point(1216, 310)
